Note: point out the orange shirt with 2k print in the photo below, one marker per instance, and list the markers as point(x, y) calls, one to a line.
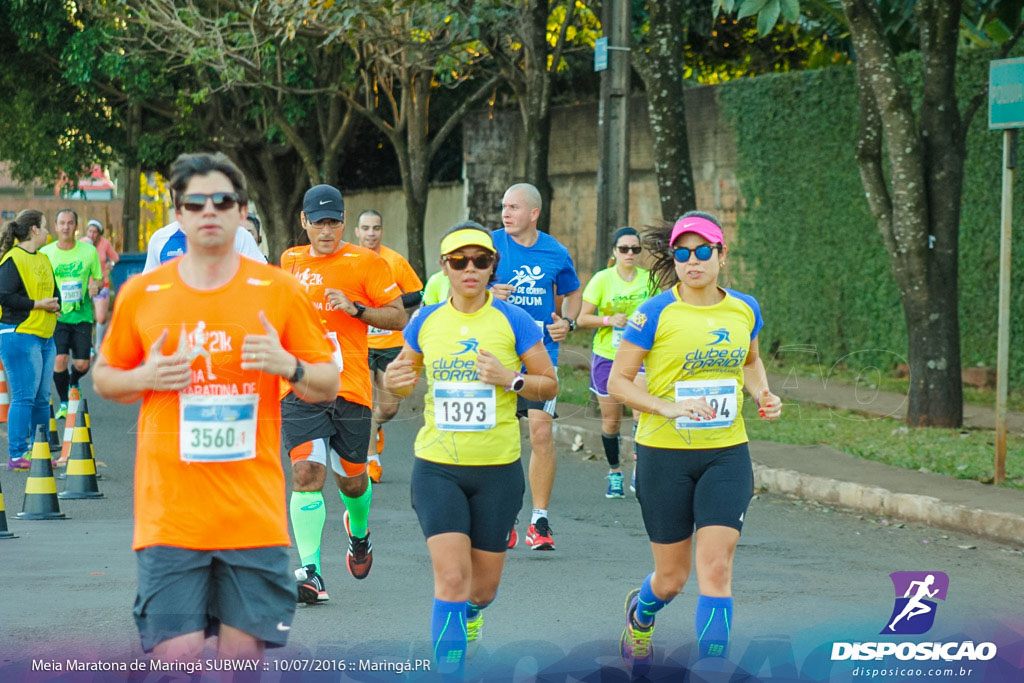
point(364, 277)
point(232, 500)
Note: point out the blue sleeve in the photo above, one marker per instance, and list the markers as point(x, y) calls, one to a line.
point(411, 333)
point(644, 322)
point(754, 307)
point(567, 281)
point(523, 326)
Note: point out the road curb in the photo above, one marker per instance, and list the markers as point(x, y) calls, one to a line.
point(999, 526)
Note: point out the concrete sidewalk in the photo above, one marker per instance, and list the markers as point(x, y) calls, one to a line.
point(835, 478)
point(874, 402)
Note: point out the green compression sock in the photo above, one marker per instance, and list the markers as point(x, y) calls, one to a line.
point(358, 510)
point(308, 515)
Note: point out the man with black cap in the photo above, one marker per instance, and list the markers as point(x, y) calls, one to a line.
point(352, 288)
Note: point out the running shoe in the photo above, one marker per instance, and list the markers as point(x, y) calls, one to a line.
point(62, 411)
point(513, 537)
point(635, 646)
point(373, 468)
point(380, 440)
point(311, 589)
point(632, 480)
point(360, 553)
point(473, 634)
point(614, 486)
point(538, 536)
point(18, 465)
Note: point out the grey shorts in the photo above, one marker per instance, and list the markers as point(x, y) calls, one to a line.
point(183, 591)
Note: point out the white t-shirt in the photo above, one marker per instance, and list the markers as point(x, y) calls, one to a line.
point(169, 241)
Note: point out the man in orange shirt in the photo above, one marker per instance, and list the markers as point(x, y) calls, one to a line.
point(385, 344)
point(351, 288)
point(204, 341)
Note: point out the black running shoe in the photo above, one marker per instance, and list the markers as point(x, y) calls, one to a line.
point(310, 587)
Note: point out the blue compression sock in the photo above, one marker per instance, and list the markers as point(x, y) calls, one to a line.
point(648, 604)
point(473, 609)
point(448, 636)
point(714, 621)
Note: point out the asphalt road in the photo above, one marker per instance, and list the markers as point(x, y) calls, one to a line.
point(805, 576)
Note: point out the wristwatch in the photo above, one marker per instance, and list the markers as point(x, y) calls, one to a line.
point(572, 324)
point(360, 309)
point(299, 373)
point(518, 382)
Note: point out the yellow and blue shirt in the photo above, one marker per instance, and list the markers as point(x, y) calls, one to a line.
point(449, 341)
point(699, 346)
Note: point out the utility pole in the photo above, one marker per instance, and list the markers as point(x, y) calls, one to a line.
point(613, 127)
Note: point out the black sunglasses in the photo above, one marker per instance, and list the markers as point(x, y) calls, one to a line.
point(460, 261)
point(703, 252)
point(626, 250)
point(222, 201)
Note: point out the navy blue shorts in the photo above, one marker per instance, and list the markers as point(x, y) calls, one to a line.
point(685, 489)
point(479, 501)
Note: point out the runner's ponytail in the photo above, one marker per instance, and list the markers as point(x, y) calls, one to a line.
point(19, 229)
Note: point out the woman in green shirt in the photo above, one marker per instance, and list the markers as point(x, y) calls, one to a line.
point(609, 299)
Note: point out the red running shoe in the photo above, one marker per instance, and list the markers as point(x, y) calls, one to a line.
point(538, 536)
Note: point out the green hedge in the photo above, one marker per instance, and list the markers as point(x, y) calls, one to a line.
point(811, 251)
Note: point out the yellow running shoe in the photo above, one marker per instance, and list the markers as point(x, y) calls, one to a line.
point(473, 634)
point(636, 647)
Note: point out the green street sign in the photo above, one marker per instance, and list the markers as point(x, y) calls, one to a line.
point(1006, 93)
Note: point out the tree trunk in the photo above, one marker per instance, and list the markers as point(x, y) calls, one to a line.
point(916, 201)
point(277, 183)
point(658, 66)
point(132, 190)
point(535, 107)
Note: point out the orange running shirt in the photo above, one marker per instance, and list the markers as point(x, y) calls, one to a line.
point(362, 276)
point(211, 505)
point(407, 281)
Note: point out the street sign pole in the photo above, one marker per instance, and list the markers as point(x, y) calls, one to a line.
point(1003, 344)
point(1005, 112)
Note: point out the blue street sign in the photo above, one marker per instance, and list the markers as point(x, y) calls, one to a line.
point(1006, 93)
point(600, 54)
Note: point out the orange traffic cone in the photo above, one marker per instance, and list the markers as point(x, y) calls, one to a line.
point(81, 472)
point(5, 394)
point(40, 487)
point(4, 533)
point(69, 431)
point(53, 437)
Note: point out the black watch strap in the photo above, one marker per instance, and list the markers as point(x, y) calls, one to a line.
point(360, 309)
point(299, 373)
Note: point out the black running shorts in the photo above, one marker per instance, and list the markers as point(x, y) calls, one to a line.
point(183, 591)
point(344, 424)
point(683, 489)
point(75, 338)
point(479, 501)
point(380, 359)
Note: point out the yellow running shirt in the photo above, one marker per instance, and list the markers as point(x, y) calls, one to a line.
point(695, 351)
point(467, 422)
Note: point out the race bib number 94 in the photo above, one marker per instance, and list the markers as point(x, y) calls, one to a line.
point(720, 395)
point(215, 429)
point(464, 406)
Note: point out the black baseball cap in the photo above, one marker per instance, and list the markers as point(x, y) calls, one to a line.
point(323, 201)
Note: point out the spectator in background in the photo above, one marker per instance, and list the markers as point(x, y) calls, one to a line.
point(30, 302)
point(108, 257)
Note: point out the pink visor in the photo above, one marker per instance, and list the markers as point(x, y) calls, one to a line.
point(702, 226)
